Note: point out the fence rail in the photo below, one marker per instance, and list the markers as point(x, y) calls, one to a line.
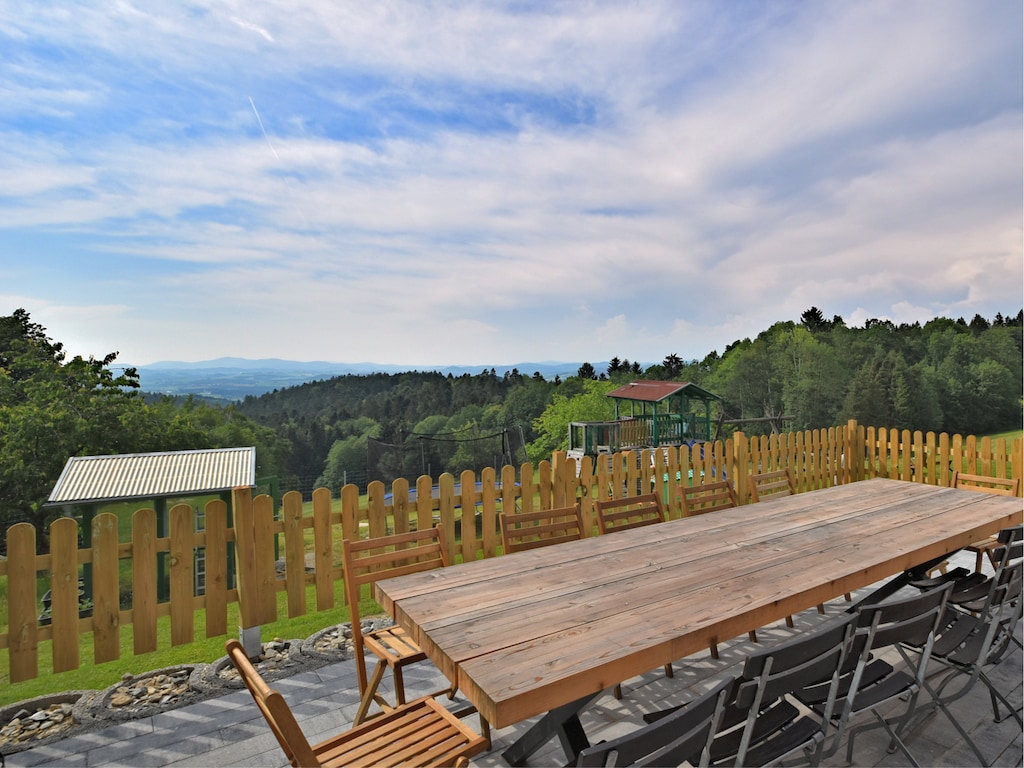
point(296, 549)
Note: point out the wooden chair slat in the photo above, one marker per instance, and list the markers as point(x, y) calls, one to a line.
point(708, 497)
point(768, 485)
point(629, 512)
point(419, 733)
point(529, 530)
point(997, 486)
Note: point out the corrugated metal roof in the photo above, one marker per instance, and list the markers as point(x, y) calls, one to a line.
point(656, 391)
point(88, 479)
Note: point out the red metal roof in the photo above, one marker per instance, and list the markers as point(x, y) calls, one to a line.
point(656, 391)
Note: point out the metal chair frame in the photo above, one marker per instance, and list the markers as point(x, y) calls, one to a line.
point(975, 636)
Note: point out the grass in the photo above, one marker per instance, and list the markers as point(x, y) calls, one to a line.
point(91, 676)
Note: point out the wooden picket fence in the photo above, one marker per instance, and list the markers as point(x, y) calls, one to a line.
point(305, 536)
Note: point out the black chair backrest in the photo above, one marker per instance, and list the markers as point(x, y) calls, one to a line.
point(683, 735)
point(810, 657)
point(909, 619)
point(1012, 540)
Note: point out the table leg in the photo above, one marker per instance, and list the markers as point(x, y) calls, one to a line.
point(563, 722)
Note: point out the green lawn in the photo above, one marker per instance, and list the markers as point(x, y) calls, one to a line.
point(92, 676)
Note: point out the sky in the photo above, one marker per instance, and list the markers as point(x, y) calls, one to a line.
point(442, 183)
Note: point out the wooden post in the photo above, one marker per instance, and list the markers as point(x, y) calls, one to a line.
point(740, 465)
point(854, 450)
point(248, 577)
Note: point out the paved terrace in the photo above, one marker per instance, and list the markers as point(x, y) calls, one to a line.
point(229, 730)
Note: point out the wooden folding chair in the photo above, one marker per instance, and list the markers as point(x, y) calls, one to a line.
point(367, 561)
point(708, 497)
point(615, 515)
point(419, 733)
point(765, 486)
point(529, 530)
point(998, 486)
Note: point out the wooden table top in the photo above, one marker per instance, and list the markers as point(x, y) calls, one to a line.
point(527, 632)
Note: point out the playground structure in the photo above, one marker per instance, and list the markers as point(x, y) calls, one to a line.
point(648, 414)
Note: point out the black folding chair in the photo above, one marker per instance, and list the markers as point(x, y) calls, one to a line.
point(970, 640)
point(685, 734)
point(869, 682)
point(763, 725)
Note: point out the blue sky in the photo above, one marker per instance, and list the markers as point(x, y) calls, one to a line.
point(435, 183)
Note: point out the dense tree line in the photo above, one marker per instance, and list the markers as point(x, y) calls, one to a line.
point(384, 426)
point(945, 375)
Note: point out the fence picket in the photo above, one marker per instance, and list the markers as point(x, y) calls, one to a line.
point(215, 557)
point(106, 612)
point(181, 571)
point(322, 549)
point(144, 597)
point(22, 620)
point(294, 553)
point(64, 593)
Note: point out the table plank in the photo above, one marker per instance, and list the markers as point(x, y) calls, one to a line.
point(527, 632)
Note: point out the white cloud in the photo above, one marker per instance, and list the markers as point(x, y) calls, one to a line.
point(470, 175)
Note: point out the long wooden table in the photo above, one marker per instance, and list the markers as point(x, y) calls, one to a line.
point(548, 629)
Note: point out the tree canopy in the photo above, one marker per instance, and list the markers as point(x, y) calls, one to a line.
point(52, 409)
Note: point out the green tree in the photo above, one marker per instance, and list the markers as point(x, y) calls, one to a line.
point(673, 365)
point(52, 409)
point(814, 321)
point(552, 426)
point(347, 455)
point(813, 378)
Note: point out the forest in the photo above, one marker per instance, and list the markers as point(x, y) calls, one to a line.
point(943, 375)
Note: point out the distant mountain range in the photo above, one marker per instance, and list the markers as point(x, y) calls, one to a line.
point(233, 378)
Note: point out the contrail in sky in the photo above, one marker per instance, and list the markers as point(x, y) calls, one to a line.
point(260, 121)
point(277, 157)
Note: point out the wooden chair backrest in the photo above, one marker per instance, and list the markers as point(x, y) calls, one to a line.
point(708, 497)
point(770, 485)
point(529, 530)
point(274, 708)
point(366, 561)
point(629, 512)
point(999, 486)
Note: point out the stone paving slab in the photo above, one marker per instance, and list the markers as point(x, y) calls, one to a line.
point(229, 731)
